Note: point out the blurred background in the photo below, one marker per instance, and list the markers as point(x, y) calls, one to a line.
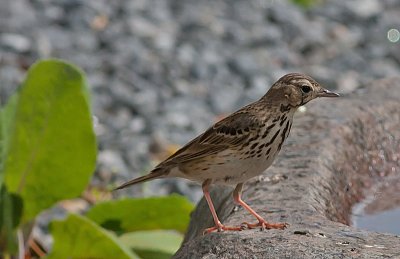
point(161, 72)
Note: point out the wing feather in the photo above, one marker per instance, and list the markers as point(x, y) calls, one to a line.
point(230, 132)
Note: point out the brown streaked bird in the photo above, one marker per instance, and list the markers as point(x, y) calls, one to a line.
point(242, 145)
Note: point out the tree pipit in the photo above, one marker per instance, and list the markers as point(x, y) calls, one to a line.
point(242, 145)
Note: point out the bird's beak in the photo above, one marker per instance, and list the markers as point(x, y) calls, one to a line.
point(327, 93)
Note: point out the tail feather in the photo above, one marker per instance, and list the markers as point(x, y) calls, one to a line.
point(157, 173)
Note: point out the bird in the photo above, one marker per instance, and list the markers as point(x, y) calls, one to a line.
point(240, 146)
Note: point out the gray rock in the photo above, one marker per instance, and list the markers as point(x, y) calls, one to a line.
point(16, 42)
point(111, 161)
point(365, 8)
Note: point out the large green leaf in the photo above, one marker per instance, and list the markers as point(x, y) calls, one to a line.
point(78, 237)
point(153, 244)
point(129, 215)
point(52, 149)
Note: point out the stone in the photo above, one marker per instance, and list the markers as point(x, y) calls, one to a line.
point(16, 42)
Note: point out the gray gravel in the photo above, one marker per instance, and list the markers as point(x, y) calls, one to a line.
point(161, 71)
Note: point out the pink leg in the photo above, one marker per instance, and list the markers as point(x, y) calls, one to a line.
point(218, 225)
point(261, 222)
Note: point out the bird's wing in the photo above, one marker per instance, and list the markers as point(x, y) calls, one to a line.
point(230, 132)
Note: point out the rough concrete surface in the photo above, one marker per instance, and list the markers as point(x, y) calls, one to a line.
point(337, 149)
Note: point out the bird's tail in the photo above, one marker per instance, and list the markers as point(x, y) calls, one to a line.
point(156, 173)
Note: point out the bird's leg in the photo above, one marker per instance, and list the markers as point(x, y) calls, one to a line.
point(261, 222)
point(218, 225)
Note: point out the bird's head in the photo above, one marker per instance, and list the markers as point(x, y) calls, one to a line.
point(296, 90)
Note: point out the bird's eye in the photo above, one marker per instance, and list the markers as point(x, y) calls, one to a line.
point(305, 88)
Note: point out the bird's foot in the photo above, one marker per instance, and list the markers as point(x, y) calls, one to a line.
point(219, 227)
point(265, 225)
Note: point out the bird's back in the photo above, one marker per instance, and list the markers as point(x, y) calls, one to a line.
point(235, 149)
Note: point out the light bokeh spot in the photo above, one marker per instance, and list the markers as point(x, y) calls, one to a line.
point(393, 35)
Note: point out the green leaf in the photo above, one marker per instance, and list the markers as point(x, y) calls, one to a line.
point(10, 215)
point(52, 148)
point(6, 124)
point(10, 204)
point(129, 215)
point(78, 237)
point(153, 244)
